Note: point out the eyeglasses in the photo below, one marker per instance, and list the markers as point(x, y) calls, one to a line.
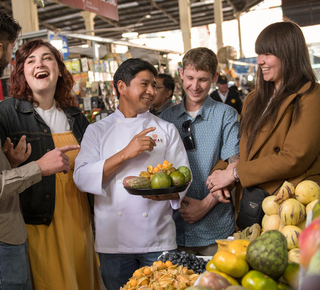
point(188, 141)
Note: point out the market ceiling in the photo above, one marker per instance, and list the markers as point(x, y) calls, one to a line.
point(164, 16)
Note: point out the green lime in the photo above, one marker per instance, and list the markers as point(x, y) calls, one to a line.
point(255, 280)
point(186, 172)
point(291, 274)
point(177, 178)
point(160, 180)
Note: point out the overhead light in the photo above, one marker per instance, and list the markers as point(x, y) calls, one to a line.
point(57, 42)
point(130, 34)
point(128, 5)
point(148, 16)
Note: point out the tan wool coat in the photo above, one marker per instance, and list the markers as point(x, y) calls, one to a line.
point(289, 151)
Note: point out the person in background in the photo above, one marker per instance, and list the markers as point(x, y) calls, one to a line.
point(279, 133)
point(226, 96)
point(164, 91)
point(57, 215)
point(209, 130)
point(131, 231)
point(237, 87)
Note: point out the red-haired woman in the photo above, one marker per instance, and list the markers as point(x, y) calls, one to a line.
point(57, 214)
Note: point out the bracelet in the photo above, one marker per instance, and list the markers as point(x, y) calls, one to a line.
point(235, 174)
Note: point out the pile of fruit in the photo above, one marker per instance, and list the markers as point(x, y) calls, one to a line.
point(287, 212)
point(191, 261)
point(161, 275)
point(162, 176)
point(258, 264)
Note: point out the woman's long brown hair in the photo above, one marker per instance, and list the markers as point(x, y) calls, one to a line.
point(19, 87)
point(285, 40)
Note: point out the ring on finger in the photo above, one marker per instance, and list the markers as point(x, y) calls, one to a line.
point(218, 196)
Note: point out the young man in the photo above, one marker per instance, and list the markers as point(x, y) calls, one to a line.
point(131, 231)
point(209, 130)
point(225, 95)
point(14, 266)
point(163, 98)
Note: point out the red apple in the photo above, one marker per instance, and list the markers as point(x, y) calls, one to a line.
point(309, 242)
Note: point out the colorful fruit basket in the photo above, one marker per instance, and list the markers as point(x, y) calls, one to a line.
point(162, 179)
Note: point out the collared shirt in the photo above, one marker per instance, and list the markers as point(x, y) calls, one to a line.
point(128, 223)
point(215, 132)
point(222, 96)
point(166, 105)
point(12, 182)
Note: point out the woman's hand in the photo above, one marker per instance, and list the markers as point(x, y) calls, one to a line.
point(220, 179)
point(19, 154)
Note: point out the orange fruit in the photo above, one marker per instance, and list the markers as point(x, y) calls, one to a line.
point(160, 265)
point(144, 282)
point(133, 282)
point(230, 264)
point(137, 273)
point(211, 266)
point(168, 264)
point(147, 271)
point(239, 248)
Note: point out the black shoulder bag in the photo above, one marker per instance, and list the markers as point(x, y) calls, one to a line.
point(250, 211)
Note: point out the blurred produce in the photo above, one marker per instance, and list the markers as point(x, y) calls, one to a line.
point(293, 204)
point(191, 261)
point(255, 280)
point(269, 254)
point(137, 182)
point(162, 176)
point(161, 276)
point(307, 191)
point(291, 275)
point(309, 242)
point(249, 233)
point(213, 281)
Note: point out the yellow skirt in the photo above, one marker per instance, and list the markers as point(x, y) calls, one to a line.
point(62, 255)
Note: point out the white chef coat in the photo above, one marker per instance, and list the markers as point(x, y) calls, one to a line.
point(128, 223)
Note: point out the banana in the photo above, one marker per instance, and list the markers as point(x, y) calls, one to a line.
point(286, 191)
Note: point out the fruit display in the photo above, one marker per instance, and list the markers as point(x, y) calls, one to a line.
point(293, 204)
point(255, 265)
point(191, 261)
point(162, 275)
point(162, 176)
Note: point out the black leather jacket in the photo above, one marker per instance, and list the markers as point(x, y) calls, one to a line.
point(17, 118)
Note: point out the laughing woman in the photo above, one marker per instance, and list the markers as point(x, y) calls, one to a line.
point(57, 214)
point(279, 133)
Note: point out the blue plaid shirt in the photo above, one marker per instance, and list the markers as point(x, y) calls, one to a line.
point(215, 132)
